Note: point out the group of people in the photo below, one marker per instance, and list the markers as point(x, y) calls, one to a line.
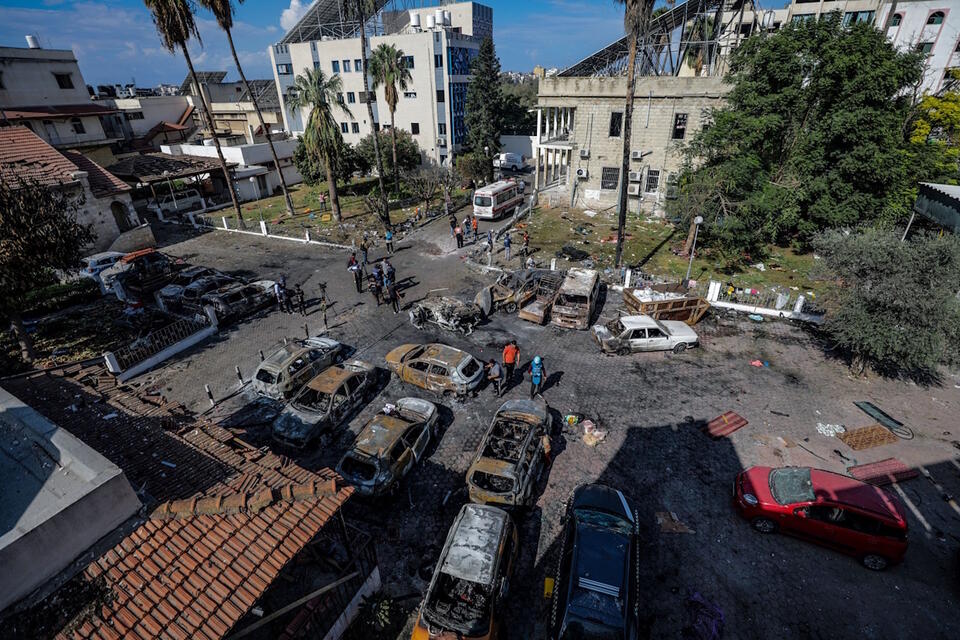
point(286, 298)
point(381, 281)
point(503, 373)
point(470, 224)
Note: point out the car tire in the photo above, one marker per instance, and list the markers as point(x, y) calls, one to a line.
point(680, 348)
point(875, 562)
point(510, 307)
point(623, 351)
point(764, 525)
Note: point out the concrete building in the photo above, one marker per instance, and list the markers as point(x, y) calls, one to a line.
point(151, 121)
point(438, 43)
point(232, 108)
point(59, 498)
point(43, 90)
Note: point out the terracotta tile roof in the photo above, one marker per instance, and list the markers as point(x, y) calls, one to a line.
point(24, 155)
point(58, 111)
point(230, 517)
point(102, 182)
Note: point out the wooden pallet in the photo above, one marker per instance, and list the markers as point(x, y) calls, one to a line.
point(868, 437)
point(725, 424)
point(883, 472)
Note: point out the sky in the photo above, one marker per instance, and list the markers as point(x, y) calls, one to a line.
point(116, 43)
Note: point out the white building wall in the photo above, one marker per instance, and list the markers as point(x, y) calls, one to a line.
point(155, 109)
point(29, 80)
point(913, 31)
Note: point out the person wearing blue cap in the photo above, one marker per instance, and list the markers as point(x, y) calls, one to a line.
point(537, 374)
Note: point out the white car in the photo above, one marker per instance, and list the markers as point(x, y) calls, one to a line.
point(93, 265)
point(511, 161)
point(628, 334)
point(177, 202)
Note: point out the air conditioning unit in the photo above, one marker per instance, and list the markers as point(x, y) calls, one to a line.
point(636, 176)
point(636, 155)
point(584, 153)
point(441, 141)
point(582, 174)
point(633, 190)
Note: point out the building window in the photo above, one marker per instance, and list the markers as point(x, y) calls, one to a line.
point(897, 19)
point(440, 96)
point(1, 80)
point(935, 18)
point(616, 124)
point(925, 47)
point(610, 178)
point(77, 126)
point(679, 126)
point(408, 62)
point(362, 96)
point(346, 66)
point(351, 97)
point(653, 181)
point(409, 94)
point(442, 129)
point(355, 127)
point(284, 69)
point(358, 65)
point(805, 17)
point(415, 128)
point(344, 127)
point(853, 17)
point(134, 115)
point(438, 61)
point(339, 98)
point(64, 81)
point(336, 66)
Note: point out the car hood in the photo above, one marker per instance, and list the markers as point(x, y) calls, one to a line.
point(756, 481)
point(680, 330)
point(603, 334)
point(296, 424)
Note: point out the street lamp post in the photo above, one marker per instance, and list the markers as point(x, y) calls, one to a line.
point(166, 174)
point(693, 249)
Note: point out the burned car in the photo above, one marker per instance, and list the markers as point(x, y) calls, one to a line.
point(577, 299)
point(472, 578)
point(192, 293)
point(288, 368)
point(235, 301)
point(436, 367)
point(511, 457)
point(325, 403)
point(511, 291)
point(628, 334)
point(447, 313)
point(170, 295)
point(389, 445)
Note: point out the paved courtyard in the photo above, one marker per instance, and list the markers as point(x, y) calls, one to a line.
point(653, 406)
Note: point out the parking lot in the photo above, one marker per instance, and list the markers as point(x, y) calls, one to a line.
point(653, 407)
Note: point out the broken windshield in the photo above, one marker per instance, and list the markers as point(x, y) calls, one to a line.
point(494, 483)
point(313, 400)
point(616, 327)
point(458, 605)
point(506, 440)
point(266, 377)
point(791, 485)
point(469, 368)
point(358, 470)
point(604, 520)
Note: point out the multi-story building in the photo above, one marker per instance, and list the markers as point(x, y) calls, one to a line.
point(43, 90)
point(232, 108)
point(438, 44)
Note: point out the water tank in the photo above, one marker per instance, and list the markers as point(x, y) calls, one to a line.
point(438, 17)
point(414, 19)
point(32, 42)
point(447, 18)
point(431, 22)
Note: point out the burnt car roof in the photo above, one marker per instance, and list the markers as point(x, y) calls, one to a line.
point(380, 433)
point(434, 351)
point(536, 408)
point(330, 379)
point(474, 543)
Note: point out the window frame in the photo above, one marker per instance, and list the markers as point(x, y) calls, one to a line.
point(646, 181)
point(64, 80)
point(926, 48)
point(351, 97)
point(939, 15)
point(335, 65)
point(678, 127)
point(896, 20)
point(344, 127)
point(608, 176)
point(415, 128)
point(441, 128)
point(345, 65)
point(441, 95)
point(354, 127)
point(615, 117)
point(76, 124)
point(284, 69)
point(358, 65)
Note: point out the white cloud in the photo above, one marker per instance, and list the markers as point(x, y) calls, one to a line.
point(290, 16)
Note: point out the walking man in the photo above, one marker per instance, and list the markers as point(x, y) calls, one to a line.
point(494, 376)
point(506, 245)
point(511, 355)
point(475, 224)
point(301, 306)
point(354, 267)
point(323, 308)
point(389, 271)
point(392, 293)
point(363, 250)
point(388, 236)
point(374, 287)
point(458, 232)
point(537, 374)
point(489, 240)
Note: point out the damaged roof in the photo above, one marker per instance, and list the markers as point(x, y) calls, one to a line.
point(579, 282)
point(475, 539)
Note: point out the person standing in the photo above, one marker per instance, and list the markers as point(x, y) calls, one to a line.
point(393, 295)
point(374, 287)
point(494, 376)
point(537, 374)
point(511, 356)
point(323, 202)
point(389, 271)
point(489, 240)
point(323, 308)
point(458, 232)
point(278, 292)
point(526, 244)
point(506, 245)
point(475, 224)
point(354, 267)
point(453, 225)
point(363, 251)
point(388, 237)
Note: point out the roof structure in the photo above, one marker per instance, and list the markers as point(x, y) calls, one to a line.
point(149, 167)
point(325, 18)
point(57, 111)
point(102, 183)
point(265, 92)
point(939, 203)
point(203, 77)
point(26, 156)
point(228, 517)
point(579, 281)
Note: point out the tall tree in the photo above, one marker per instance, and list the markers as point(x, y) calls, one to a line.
point(318, 92)
point(175, 26)
point(484, 117)
point(388, 70)
point(223, 11)
point(361, 11)
point(635, 18)
point(39, 232)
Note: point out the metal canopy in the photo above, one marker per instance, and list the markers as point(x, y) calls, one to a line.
point(689, 30)
point(326, 18)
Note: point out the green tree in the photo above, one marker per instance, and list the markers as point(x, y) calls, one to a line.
point(175, 26)
point(388, 70)
point(812, 138)
point(472, 166)
point(484, 108)
point(408, 152)
point(39, 233)
point(519, 102)
point(362, 11)
point(222, 10)
point(322, 138)
point(893, 305)
point(314, 172)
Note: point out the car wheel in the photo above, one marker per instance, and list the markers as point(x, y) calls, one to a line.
point(623, 351)
point(874, 562)
point(680, 348)
point(511, 307)
point(764, 525)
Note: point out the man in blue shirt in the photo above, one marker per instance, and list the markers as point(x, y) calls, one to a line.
point(506, 245)
point(389, 239)
point(537, 375)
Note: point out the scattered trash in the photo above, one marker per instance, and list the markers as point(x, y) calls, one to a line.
point(816, 455)
point(572, 419)
point(592, 435)
point(780, 413)
point(868, 437)
point(572, 253)
point(704, 619)
point(759, 266)
point(759, 363)
point(756, 317)
point(168, 464)
point(589, 213)
point(670, 523)
point(830, 430)
point(898, 428)
point(111, 416)
point(725, 424)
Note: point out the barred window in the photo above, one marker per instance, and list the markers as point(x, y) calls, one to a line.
point(610, 178)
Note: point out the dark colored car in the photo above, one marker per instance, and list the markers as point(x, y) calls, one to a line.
point(836, 511)
point(595, 591)
point(140, 273)
point(238, 300)
point(191, 294)
point(171, 293)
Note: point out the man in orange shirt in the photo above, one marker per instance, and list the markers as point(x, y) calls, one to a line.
point(511, 355)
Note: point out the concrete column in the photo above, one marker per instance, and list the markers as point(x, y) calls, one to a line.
point(539, 130)
point(536, 173)
point(555, 116)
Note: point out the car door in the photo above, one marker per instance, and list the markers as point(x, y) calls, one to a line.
point(657, 340)
point(438, 378)
point(816, 523)
point(401, 458)
point(417, 437)
point(354, 394)
point(416, 373)
point(340, 405)
point(636, 338)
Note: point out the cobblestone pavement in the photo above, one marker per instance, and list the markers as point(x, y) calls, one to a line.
point(653, 406)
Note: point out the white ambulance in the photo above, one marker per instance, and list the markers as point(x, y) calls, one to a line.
point(498, 199)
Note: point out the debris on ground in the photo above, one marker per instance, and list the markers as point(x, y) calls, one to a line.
point(704, 619)
point(592, 435)
point(896, 427)
point(572, 419)
point(830, 430)
point(756, 317)
point(759, 363)
point(868, 437)
point(589, 213)
point(883, 472)
point(670, 523)
point(725, 424)
point(572, 253)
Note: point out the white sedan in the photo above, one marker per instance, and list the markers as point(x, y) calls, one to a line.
point(628, 334)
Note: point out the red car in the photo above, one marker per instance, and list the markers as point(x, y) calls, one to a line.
point(835, 511)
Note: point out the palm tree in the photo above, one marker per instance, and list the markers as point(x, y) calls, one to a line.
point(635, 18)
point(222, 10)
point(699, 48)
point(362, 10)
point(318, 92)
point(389, 71)
point(175, 26)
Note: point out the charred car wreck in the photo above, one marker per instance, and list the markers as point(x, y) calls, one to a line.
point(511, 291)
point(436, 367)
point(447, 313)
point(511, 456)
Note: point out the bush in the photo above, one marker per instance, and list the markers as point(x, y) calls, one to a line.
point(408, 153)
point(56, 297)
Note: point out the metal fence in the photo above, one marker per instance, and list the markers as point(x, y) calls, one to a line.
point(153, 343)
